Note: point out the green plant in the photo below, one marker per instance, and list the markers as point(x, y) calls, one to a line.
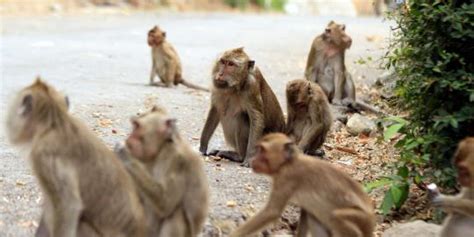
point(432, 54)
point(242, 4)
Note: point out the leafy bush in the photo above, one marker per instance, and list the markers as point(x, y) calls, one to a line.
point(432, 54)
point(266, 4)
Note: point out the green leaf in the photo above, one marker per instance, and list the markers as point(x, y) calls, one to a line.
point(392, 130)
point(400, 195)
point(368, 187)
point(387, 203)
point(403, 172)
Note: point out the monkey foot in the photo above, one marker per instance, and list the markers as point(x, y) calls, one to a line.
point(230, 155)
point(318, 152)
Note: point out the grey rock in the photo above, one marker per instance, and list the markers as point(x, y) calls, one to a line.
point(359, 124)
point(415, 228)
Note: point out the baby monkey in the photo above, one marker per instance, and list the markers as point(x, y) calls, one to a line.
point(309, 115)
point(460, 208)
point(333, 203)
point(165, 62)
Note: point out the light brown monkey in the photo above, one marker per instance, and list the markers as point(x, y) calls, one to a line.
point(460, 208)
point(165, 62)
point(309, 115)
point(333, 203)
point(168, 173)
point(325, 65)
point(243, 103)
point(87, 191)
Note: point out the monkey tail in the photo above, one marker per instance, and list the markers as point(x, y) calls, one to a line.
point(193, 86)
point(359, 105)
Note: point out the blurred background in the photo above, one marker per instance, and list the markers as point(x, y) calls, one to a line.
point(320, 7)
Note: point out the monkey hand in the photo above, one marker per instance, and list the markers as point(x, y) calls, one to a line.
point(203, 150)
point(442, 201)
point(121, 152)
point(245, 163)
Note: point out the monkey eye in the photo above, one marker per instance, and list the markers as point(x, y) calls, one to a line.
point(328, 30)
point(231, 63)
point(223, 61)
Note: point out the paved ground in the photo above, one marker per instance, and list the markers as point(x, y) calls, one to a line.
point(103, 62)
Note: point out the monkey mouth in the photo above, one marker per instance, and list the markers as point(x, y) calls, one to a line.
point(220, 84)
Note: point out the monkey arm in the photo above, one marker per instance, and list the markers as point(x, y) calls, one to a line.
point(315, 130)
point(456, 204)
point(290, 120)
point(153, 68)
point(309, 71)
point(61, 186)
point(339, 80)
point(278, 199)
point(256, 117)
point(209, 127)
point(164, 195)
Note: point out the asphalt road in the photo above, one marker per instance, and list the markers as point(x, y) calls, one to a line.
point(103, 62)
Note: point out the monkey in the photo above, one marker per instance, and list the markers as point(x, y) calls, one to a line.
point(165, 62)
point(325, 65)
point(309, 115)
point(460, 208)
point(168, 173)
point(243, 103)
point(87, 191)
point(334, 204)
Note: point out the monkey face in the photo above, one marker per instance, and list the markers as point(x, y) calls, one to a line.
point(273, 151)
point(149, 132)
point(464, 162)
point(298, 92)
point(232, 69)
point(156, 37)
point(335, 34)
point(34, 107)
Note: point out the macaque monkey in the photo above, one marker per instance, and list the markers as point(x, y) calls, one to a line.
point(165, 62)
point(326, 66)
point(244, 104)
point(168, 173)
point(333, 203)
point(309, 115)
point(87, 191)
point(460, 208)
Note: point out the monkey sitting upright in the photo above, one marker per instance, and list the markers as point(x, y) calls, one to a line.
point(332, 203)
point(87, 191)
point(309, 115)
point(460, 208)
point(165, 62)
point(325, 65)
point(243, 103)
point(169, 175)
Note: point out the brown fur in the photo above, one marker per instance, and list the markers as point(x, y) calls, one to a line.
point(87, 192)
point(460, 208)
point(309, 114)
point(334, 203)
point(169, 174)
point(165, 62)
point(243, 103)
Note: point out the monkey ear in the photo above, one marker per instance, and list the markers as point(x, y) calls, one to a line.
point(343, 27)
point(135, 123)
point(251, 64)
point(164, 34)
point(26, 106)
point(289, 151)
point(170, 128)
point(68, 104)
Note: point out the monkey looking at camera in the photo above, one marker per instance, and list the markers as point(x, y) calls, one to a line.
point(87, 191)
point(325, 65)
point(333, 203)
point(460, 208)
point(244, 104)
point(168, 173)
point(165, 62)
point(309, 115)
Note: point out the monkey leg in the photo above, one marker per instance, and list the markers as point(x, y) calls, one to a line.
point(160, 84)
point(351, 222)
point(230, 155)
point(316, 152)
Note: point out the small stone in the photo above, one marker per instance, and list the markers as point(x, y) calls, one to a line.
point(359, 124)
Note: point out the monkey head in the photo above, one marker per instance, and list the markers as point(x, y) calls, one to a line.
point(273, 151)
point(464, 162)
point(298, 93)
point(231, 69)
point(34, 109)
point(150, 131)
point(336, 35)
point(156, 36)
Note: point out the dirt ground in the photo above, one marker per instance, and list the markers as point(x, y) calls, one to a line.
point(102, 62)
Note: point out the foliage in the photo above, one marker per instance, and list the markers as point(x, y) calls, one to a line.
point(266, 4)
point(432, 54)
